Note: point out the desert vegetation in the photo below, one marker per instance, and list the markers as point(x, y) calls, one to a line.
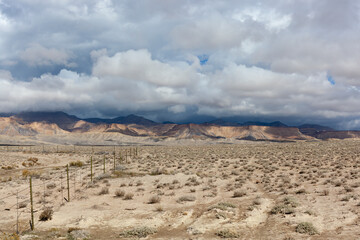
point(298, 190)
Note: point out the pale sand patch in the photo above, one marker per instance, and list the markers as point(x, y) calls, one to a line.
point(259, 214)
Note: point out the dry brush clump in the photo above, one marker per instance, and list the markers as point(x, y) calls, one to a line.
point(104, 191)
point(119, 193)
point(223, 206)
point(287, 206)
point(239, 193)
point(76, 164)
point(226, 233)
point(306, 228)
point(140, 232)
point(128, 196)
point(46, 214)
point(154, 199)
point(186, 199)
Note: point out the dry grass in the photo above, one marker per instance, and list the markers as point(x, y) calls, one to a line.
point(211, 189)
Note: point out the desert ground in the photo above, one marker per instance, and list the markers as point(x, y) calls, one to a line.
point(248, 190)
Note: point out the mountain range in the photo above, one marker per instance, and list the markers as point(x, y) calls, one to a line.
point(51, 126)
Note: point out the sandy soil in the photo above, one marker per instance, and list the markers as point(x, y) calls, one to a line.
point(244, 191)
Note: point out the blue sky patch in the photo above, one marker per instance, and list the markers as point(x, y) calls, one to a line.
point(203, 59)
point(330, 79)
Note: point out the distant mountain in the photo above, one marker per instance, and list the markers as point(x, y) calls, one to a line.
point(6, 114)
point(130, 119)
point(168, 122)
point(221, 122)
point(133, 119)
point(272, 124)
point(63, 120)
point(33, 124)
point(316, 127)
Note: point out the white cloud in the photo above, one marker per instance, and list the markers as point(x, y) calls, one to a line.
point(5, 75)
point(138, 65)
point(264, 58)
point(37, 55)
point(273, 20)
point(177, 109)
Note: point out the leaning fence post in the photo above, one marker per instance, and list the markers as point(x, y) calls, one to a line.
point(32, 206)
point(68, 183)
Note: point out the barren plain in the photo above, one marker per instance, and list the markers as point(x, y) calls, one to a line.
point(247, 190)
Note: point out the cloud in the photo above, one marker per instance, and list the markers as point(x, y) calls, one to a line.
point(37, 55)
point(138, 65)
point(107, 57)
point(117, 84)
point(177, 109)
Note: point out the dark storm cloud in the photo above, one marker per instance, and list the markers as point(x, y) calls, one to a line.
point(263, 58)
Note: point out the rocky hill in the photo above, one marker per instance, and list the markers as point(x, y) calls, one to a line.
point(59, 125)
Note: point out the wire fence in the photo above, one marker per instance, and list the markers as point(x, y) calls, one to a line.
point(95, 149)
point(56, 186)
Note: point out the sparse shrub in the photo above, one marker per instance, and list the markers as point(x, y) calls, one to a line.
point(186, 199)
point(104, 191)
point(286, 207)
point(289, 238)
point(26, 173)
point(282, 208)
point(290, 201)
point(239, 194)
point(325, 192)
point(227, 234)
point(22, 204)
point(119, 193)
point(46, 214)
point(76, 164)
point(257, 201)
point(159, 209)
point(51, 186)
point(154, 199)
point(306, 228)
point(128, 196)
point(12, 236)
point(223, 206)
point(141, 232)
point(301, 191)
point(346, 198)
point(220, 215)
point(158, 171)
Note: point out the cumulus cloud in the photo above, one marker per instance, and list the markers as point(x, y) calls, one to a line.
point(108, 57)
point(38, 55)
point(138, 66)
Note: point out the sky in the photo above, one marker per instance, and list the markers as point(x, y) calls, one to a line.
point(290, 60)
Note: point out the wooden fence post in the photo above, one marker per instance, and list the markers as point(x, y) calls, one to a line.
point(68, 183)
point(114, 161)
point(104, 164)
point(32, 205)
point(91, 168)
point(17, 212)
